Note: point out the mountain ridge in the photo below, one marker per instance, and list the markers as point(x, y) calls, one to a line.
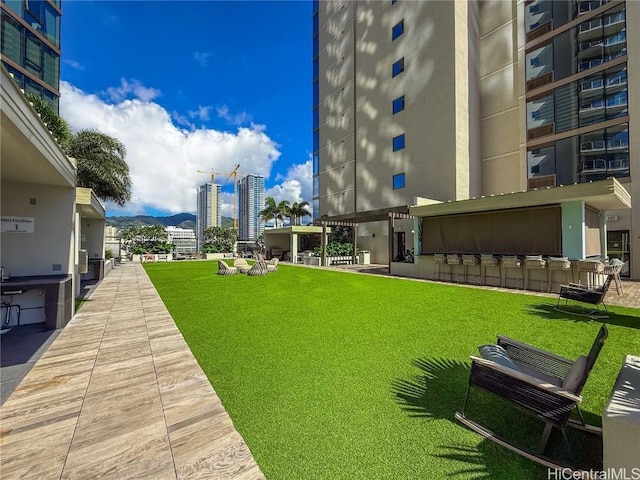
point(180, 220)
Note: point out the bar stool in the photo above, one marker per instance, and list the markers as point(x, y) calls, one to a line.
point(558, 264)
point(533, 262)
point(453, 259)
point(439, 260)
point(487, 261)
point(613, 269)
point(468, 260)
point(592, 269)
point(510, 262)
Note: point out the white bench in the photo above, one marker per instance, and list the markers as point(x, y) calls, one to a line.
point(621, 420)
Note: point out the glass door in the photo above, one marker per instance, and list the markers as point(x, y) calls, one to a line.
point(618, 247)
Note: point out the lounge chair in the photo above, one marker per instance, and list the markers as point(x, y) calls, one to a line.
point(258, 269)
point(541, 383)
point(224, 269)
point(580, 293)
point(242, 265)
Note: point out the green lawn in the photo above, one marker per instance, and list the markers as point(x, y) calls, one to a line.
point(333, 375)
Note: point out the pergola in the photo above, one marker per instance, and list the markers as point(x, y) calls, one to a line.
point(354, 219)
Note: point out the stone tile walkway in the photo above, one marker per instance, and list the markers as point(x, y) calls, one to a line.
point(119, 395)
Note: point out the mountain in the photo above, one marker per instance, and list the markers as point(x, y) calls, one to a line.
point(181, 220)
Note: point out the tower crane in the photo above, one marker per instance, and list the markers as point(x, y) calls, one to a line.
point(235, 174)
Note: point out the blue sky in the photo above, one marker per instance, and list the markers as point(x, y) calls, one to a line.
point(192, 86)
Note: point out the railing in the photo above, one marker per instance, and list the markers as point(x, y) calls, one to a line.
point(599, 165)
point(590, 25)
point(591, 146)
point(586, 7)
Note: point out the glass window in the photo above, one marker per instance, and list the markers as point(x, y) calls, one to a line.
point(398, 181)
point(582, 158)
point(397, 68)
point(316, 164)
point(397, 30)
point(316, 141)
point(398, 142)
point(393, 1)
point(398, 105)
point(315, 46)
point(316, 117)
point(316, 186)
point(316, 92)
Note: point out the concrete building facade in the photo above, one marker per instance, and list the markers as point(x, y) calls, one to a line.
point(183, 240)
point(250, 204)
point(454, 100)
point(208, 209)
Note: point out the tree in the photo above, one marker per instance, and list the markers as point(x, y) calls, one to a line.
point(219, 239)
point(284, 210)
point(102, 166)
point(270, 211)
point(146, 239)
point(101, 158)
point(299, 211)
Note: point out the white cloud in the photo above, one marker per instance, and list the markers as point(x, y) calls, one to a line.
point(164, 158)
point(201, 113)
point(202, 57)
point(235, 119)
point(74, 64)
point(296, 185)
point(131, 88)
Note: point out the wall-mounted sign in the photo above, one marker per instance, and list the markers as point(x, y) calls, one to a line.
point(17, 224)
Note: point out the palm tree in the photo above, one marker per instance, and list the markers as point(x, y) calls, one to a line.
point(284, 210)
point(101, 165)
point(270, 211)
point(299, 211)
point(57, 125)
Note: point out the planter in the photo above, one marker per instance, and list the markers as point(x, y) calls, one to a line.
point(311, 261)
point(214, 256)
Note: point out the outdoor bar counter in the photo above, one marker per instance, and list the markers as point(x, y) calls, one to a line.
point(58, 295)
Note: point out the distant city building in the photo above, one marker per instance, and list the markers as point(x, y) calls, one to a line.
point(30, 46)
point(250, 204)
point(208, 212)
point(183, 239)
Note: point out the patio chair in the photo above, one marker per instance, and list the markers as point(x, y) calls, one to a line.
point(242, 265)
point(580, 293)
point(258, 269)
point(541, 383)
point(224, 269)
point(273, 264)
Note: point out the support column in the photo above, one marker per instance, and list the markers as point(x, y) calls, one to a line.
point(323, 243)
point(293, 247)
point(602, 225)
point(391, 234)
point(354, 233)
point(573, 221)
point(417, 237)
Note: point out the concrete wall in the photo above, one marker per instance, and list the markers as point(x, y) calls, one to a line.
point(52, 243)
point(92, 237)
point(633, 65)
point(501, 47)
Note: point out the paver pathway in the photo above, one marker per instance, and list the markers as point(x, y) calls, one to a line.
point(119, 395)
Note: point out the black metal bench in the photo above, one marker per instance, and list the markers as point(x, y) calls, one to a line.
point(342, 262)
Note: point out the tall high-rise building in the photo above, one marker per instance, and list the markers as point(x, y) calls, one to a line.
point(454, 100)
point(250, 204)
point(208, 210)
point(30, 45)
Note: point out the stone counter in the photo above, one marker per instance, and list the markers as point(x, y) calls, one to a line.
point(58, 295)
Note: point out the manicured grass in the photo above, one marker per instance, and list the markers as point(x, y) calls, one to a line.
point(333, 375)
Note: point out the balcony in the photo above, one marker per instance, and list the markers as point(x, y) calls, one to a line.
point(600, 165)
point(586, 7)
point(594, 146)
